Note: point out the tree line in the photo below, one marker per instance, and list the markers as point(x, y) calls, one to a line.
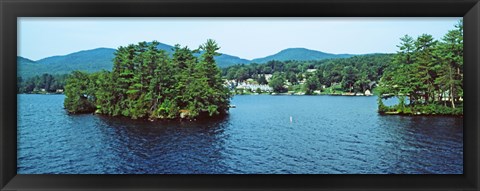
point(146, 82)
point(426, 75)
point(45, 83)
point(355, 74)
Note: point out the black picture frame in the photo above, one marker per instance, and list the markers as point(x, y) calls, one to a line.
point(11, 9)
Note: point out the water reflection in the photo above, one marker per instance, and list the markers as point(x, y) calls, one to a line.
point(166, 147)
point(435, 142)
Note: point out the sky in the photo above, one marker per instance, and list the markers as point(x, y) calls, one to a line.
point(246, 38)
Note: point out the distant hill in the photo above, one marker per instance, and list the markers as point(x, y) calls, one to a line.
point(301, 54)
point(92, 61)
point(87, 60)
point(223, 60)
point(24, 61)
point(165, 47)
point(102, 59)
point(27, 67)
point(226, 60)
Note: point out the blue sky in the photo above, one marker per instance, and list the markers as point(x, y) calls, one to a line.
point(244, 37)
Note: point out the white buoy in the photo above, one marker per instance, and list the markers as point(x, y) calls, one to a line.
point(291, 119)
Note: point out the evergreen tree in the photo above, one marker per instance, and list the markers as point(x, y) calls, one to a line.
point(78, 98)
point(146, 83)
point(349, 78)
point(278, 83)
point(312, 83)
point(428, 74)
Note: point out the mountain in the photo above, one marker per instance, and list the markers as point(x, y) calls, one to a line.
point(301, 54)
point(226, 60)
point(223, 60)
point(102, 59)
point(24, 61)
point(27, 67)
point(87, 60)
point(165, 47)
point(92, 61)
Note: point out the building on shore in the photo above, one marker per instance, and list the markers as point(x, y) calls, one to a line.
point(368, 93)
point(253, 87)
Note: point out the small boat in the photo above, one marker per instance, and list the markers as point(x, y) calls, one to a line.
point(233, 106)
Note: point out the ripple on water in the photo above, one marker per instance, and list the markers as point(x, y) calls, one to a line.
point(327, 135)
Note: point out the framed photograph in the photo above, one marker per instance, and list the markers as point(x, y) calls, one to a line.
point(264, 95)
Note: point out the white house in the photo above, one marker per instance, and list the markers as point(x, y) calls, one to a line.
point(368, 93)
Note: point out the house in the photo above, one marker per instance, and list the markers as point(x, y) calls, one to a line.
point(368, 93)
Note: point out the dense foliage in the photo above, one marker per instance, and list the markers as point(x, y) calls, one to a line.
point(428, 72)
point(45, 83)
point(146, 82)
point(355, 74)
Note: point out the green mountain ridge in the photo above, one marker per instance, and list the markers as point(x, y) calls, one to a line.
point(102, 59)
point(24, 60)
point(86, 60)
point(300, 54)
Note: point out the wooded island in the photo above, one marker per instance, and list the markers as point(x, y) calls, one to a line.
point(427, 72)
point(147, 83)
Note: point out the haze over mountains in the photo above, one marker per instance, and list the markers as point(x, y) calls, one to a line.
point(102, 59)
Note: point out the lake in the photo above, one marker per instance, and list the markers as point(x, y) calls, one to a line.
point(263, 135)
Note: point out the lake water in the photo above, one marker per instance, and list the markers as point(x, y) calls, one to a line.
point(327, 135)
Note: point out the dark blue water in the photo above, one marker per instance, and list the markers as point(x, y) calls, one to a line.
point(327, 135)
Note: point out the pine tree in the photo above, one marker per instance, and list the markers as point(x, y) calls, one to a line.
point(146, 83)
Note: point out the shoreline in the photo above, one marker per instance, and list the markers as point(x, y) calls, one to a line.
point(417, 115)
point(383, 113)
point(304, 94)
point(42, 93)
point(272, 94)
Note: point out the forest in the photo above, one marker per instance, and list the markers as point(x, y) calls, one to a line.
point(426, 75)
point(146, 82)
point(355, 74)
point(45, 83)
